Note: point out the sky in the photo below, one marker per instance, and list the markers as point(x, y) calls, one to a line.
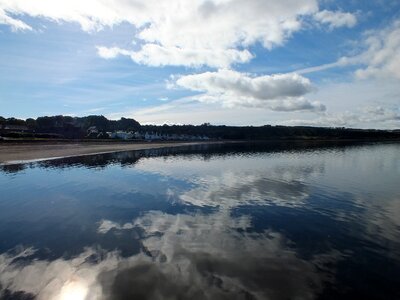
point(234, 62)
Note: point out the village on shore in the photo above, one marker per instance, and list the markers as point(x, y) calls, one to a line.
point(93, 132)
point(100, 128)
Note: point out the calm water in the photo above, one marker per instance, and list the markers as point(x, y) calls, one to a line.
point(220, 222)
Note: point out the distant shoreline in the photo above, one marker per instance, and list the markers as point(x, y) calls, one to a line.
point(25, 151)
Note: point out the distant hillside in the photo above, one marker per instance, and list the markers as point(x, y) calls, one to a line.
point(66, 126)
point(78, 127)
point(269, 132)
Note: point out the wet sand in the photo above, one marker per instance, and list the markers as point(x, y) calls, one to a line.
point(25, 152)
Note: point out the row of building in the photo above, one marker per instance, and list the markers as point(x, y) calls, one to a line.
point(148, 136)
point(14, 128)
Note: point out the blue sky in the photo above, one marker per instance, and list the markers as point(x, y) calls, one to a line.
point(234, 62)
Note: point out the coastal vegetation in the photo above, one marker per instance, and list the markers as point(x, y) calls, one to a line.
point(99, 127)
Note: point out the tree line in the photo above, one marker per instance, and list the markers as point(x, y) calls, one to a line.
point(67, 126)
point(76, 127)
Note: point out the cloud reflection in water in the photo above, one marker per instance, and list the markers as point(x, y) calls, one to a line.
point(195, 256)
point(268, 225)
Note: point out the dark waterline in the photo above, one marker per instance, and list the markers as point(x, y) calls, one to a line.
point(235, 221)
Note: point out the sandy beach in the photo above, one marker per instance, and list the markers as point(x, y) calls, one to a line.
point(24, 152)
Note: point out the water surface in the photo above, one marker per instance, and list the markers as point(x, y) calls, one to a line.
point(206, 222)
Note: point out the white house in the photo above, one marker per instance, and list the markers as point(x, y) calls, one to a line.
point(152, 136)
point(122, 135)
point(137, 135)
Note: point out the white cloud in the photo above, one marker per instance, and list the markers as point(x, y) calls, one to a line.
point(345, 119)
point(209, 25)
point(109, 53)
point(381, 114)
point(383, 54)
point(280, 92)
point(300, 104)
point(342, 62)
point(351, 96)
point(380, 55)
point(336, 18)
point(90, 14)
point(156, 55)
point(16, 25)
point(266, 87)
point(180, 32)
point(368, 116)
point(193, 33)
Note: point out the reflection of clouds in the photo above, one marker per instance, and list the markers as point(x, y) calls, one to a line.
point(393, 211)
point(74, 289)
point(107, 225)
point(299, 172)
point(357, 185)
point(86, 277)
point(214, 256)
point(229, 258)
point(362, 187)
point(233, 181)
point(382, 223)
point(218, 255)
point(56, 280)
point(231, 190)
point(300, 164)
point(195, 256)
point(153, 224)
